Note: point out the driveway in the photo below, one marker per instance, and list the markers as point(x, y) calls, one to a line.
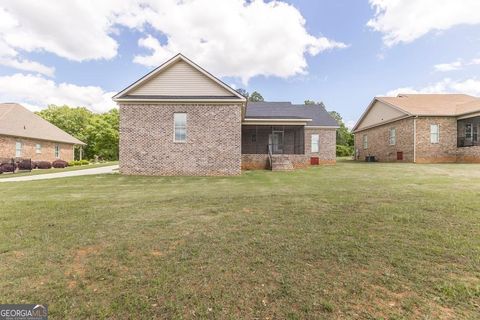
point(66, 174)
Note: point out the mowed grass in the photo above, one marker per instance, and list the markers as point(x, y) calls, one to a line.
point(355, 240)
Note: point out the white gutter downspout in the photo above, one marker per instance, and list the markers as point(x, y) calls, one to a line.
point(415, 139)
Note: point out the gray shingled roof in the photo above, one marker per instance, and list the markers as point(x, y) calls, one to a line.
point(282, 110)
point(17, 121)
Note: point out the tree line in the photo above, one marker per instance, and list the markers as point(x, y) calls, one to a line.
point(100, 131)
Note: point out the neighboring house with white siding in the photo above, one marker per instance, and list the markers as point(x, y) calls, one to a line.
point(181, 120)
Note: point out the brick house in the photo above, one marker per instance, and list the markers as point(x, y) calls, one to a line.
point(23, 134)
point(420, 128)
point(181, 120)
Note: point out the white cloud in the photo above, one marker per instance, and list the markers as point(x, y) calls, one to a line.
point(444, 67)
point(233, 38)
point(407, 20)
point(37, 92)
point(447, 85)
point(27, 65)
point(456, 65)
point(237, 38)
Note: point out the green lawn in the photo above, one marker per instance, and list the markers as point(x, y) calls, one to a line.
point(354, 240)
point(55, 170)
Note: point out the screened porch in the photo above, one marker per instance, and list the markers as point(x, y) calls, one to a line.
point(259, 139)
point(467, 132)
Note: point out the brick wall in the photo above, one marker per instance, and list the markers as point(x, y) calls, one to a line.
point(426, 152)
point(147, 144)
point(446, 149)
point(379, 144)
point(7, 149)
point(327, 145)
point(260, 161)
point(468, 154)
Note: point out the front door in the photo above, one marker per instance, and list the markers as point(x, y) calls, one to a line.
point(275, 141)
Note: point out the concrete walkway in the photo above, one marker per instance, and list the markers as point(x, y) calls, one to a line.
point(66, 174)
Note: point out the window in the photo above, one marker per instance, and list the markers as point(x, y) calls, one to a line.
point(475, 133)
point(365, 141)
point(38, 148)
point(393, 136)
point(434, 133)
point(468, 131)
point(18, 149)
point(180, 127)
point(57, 151)
point(315, 139)
point(254, 137)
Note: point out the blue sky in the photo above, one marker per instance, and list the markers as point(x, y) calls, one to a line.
point(288, 51)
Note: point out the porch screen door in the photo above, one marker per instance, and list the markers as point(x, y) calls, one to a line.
point(275, 139)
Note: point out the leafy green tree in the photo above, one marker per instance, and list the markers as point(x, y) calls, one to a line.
point(344, 136)
point(255, 97)
point(308, 102)
point(244, 93)
point(99, 131)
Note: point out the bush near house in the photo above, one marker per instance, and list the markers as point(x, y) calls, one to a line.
point(78, 163)
point(25, 165)
point(7, 167)
point(59, 164)
point(344, 151)
point(44, 165)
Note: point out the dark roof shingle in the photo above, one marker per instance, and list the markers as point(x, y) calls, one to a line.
point(282, 110)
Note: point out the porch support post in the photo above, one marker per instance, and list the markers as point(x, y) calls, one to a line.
point(256, 139)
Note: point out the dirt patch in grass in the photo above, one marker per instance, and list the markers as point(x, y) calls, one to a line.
point(77, 268)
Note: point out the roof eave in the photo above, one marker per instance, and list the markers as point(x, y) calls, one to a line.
point(179, 100)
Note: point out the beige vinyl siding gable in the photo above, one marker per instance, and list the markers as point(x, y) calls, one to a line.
point(380, 113)
point(180, 79)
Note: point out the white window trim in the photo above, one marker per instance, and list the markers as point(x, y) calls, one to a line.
point(471, 130)
point(18, 152)
point(56, 151)
point(392, 139)
point(174, 127)
point(365, 141)
point(317, 143)
point(437, 133)
point(38, 148)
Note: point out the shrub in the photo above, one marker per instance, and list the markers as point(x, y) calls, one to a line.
point(344, 151)
point(59, 163)
point(25, 165)
point(44, 165)
point(71, 163)
point(7, 167)
point(84, 162)
point(34, 165)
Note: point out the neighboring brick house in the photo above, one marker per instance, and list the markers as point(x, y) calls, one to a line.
point(181, 120)
point(421, 128)
point(23, 134)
